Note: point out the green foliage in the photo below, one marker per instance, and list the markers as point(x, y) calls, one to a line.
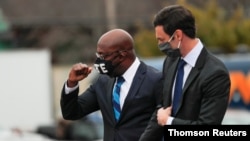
point(145, 43)
point(216, 29)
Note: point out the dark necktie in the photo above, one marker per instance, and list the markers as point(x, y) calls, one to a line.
point(178, 86)
point(116, 98)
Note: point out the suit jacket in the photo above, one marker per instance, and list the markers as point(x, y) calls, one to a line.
point(205, 93)
point(143, 97)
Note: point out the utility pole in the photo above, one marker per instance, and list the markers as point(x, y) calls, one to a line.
point(111, 13)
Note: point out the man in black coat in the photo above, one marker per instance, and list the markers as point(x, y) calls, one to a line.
point(139, 96)
point(205, 82)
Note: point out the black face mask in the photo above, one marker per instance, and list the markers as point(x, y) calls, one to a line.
point(168, 50)
point(104, 67)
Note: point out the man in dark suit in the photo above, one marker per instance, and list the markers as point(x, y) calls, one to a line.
point(204, 92)
point(139, 95)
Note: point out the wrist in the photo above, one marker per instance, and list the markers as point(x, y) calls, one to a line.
point(71, 83)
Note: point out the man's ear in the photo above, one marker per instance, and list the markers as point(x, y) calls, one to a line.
point(178, 34)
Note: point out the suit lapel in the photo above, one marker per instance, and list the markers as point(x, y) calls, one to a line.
point(194, 72)
point(192, 75)
point(109, 97)
point(136, 84)
point(170, 67)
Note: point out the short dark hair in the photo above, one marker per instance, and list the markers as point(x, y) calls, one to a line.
point(176, 17)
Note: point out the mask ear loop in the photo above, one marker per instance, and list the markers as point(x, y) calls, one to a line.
point(178, 46)
point(171, 38)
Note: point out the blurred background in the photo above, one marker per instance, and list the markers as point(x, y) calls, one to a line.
point(41, 40)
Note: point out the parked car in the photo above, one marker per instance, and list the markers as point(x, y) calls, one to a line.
point(89, 128)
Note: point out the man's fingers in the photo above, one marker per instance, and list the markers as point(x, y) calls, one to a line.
point(82, 69)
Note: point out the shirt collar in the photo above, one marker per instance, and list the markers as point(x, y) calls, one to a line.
point(130, 73)
point(193, 55)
